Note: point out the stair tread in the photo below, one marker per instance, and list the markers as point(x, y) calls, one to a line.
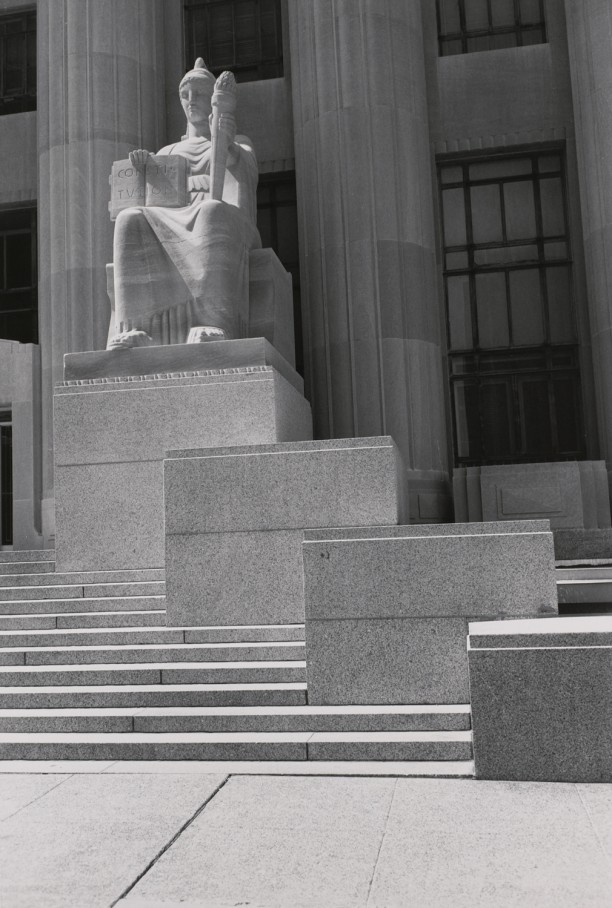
point(236, 737)
point(122, 647)
point(157, 688)
point(239, 711)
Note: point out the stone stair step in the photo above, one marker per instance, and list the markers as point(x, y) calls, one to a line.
point(585, 590)
point(151, 652)
point(96, 637)
point(418, 746)
point(153, 673)
point(41, 606)
point(82, 620)
point(237, 719)
point(156, 695)
point(27, 555)
point(83, 591)
point(52, 578)
point(26, 567)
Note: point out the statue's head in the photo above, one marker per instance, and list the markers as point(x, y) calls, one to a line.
point(195, 92)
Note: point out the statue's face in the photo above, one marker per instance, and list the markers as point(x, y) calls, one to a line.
point(196, 100)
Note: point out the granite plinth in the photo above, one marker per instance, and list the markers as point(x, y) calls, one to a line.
point(112, 436)
point(161, 360)
point(235, 519)
point(541, 712)
point(386, 608)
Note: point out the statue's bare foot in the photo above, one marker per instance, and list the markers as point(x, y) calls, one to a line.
point(125, 340)
point(201, 334)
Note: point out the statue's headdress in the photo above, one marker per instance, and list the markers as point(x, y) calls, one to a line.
point(199, 71)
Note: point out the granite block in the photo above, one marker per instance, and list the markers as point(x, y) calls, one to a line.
point(210, 356)
point(112, 436)
point(403, 575)
point(491, 528)
point(124, 420)
point(542, 714)
point(319, 749)
point(387, 661)
point(579, 544)
point(234, 578)
point(282, 487)
point(591, 630)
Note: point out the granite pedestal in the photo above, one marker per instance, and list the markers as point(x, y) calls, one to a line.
point(387, 608)
point(112, 433)
point(235, 519)
point(541, 706)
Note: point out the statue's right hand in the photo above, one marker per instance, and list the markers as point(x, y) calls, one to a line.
point(138, 158)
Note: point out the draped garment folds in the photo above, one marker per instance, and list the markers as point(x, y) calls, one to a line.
point(176, 268)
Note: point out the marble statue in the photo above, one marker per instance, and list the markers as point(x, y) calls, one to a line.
point(181, 273)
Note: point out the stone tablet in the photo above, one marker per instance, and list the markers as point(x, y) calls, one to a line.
point(162, 182)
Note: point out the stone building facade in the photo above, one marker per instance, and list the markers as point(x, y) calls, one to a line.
point(435, 175)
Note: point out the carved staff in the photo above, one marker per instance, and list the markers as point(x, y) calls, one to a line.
point(222, 131)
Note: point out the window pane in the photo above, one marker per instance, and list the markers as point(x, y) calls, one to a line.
point(507, 39)
point(456, 260)
point(459, 312)
point(520, 210)
point(486, 214)
point(532, 36)
point(451, 174)
point(449, 17)
point(489, 170)
point(476, 14)
point(526, 308)
point(454, 217)
point(560, 315)
point(492, 310)
point(475, 45)
point(502, 255)
point(530, 11)
point(450, 48)
point(547, 163)
point(535, 416)
point(567, 410)
point(496, 416)
point(554, 251)
point(502, 12)
point(553, 217)
point(18, 261)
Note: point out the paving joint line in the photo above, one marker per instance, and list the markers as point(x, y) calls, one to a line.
point(169, 844)
point(382, 839)
point(34, 800)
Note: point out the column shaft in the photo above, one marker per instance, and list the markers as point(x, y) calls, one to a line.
point(589, 34)
point(366, 211)
point(101, 93)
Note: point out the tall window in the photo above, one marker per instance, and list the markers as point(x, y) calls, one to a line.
point(6, 479)
point(18, 294)
point(277, 224)
point(17, 63)
point(471, 25)
point(243, 36)
point(511, 331)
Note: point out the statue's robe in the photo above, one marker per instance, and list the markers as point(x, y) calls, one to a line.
point(176, 268)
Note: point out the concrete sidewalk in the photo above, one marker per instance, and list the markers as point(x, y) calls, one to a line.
point(173, 835)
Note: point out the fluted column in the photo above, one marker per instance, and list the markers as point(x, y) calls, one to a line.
point(589, 35)
point(363, 162)
point(100, 94)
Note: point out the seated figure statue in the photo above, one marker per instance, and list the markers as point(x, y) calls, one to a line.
point(183, 272)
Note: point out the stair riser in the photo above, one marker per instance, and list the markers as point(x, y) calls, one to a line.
point(235, 751)
point(27, 556)
point(222, 724)
point(131, 604)
point(245, 634)
point(81, 591)
point(50, 578)
point(48, 699)
point(68, 621)
point(26, 567)
point(132, 656)
point(123, 638)
point(153, 676)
